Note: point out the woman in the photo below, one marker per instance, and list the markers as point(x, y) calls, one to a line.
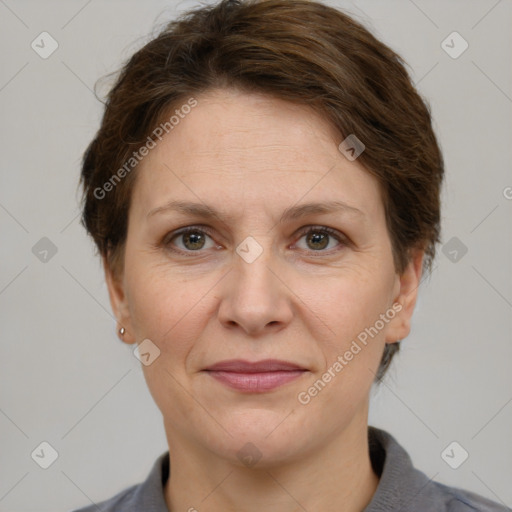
point(264, 192)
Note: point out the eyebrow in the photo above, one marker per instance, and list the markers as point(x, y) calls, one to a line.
point(291, 213)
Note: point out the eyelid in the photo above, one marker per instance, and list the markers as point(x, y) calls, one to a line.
point(332, 231)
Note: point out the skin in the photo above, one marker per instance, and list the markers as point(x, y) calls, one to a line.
point(252, 156)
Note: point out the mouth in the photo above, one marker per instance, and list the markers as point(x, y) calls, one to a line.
point(255, 377)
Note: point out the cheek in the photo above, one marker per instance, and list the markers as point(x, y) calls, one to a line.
point(161, 305)
point(168, 310)
point(354, 302)
point(353, 352)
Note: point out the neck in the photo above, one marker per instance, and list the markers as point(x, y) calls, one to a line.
point(339, 474)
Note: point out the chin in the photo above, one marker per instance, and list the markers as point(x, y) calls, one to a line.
point(261, 439)
point(264, 454)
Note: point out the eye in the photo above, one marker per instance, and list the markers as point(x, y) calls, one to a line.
point(193, 239)
point(318, 238)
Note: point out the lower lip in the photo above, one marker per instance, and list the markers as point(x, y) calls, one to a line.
point(255, 382)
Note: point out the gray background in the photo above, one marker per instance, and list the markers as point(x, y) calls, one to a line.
point(65, 377)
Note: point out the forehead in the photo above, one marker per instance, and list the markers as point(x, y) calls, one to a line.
point(236, 149)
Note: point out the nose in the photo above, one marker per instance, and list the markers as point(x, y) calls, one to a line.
point(255, 296)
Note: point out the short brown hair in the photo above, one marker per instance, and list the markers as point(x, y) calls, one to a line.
point(297, 50)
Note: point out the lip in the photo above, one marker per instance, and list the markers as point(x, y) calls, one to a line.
point(265, 365)
point(255, 377)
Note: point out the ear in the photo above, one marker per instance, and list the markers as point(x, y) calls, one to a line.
point(400, 326)
point(118, 301)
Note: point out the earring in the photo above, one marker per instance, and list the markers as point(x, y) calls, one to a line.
point(122, 331)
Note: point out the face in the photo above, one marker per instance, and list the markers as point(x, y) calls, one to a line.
point(262, 278)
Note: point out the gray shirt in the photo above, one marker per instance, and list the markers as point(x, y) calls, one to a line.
point(401, 487)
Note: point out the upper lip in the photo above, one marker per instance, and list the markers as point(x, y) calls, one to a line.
point(266, 365)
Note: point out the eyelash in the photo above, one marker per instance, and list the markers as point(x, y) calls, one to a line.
point(205, 230)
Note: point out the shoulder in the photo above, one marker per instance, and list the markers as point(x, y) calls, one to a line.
point(122, 501)
point(460, 500)
point(147, 496)
point(403, 487)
